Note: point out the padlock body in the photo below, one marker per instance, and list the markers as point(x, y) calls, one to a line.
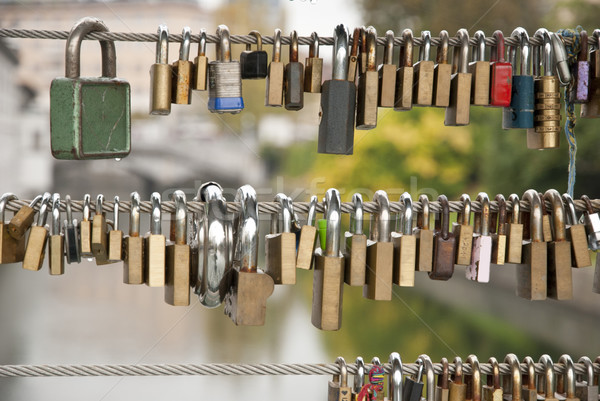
point(500, 84)
point(547, 127)
point(580, 254)
point(581, 88)
point(490, 393)
point(11, 250)
point(404, 88)
point(306, 247)
point(464, 237)
point(225, 87)
point(72, 244)
point(20, 223)
point(85, 237)
point(280, 258)
point(177, 278)
point(443, 257)
point(154, 260)
point(328, 287)
point(366, 104)
point(313, 75)
point(90, 118)
point(56, 256)
point(560, 281)
point(380, 259)
point(133, 263)
point(442, 74)
point(424, 256)
point(99, 239)
point(532, 275)
point(458, 112)
point(254, 64)
point(405, 247)
point(246, 303)
point(36, 248)
point(115, 245)
point(412, 390)
point(181, 87)
point(457, 391)
point(200, 73)
point(514, 242)
point(387, 85)
point(498, 249)
point(423, 87)
point(336, 129)
point(520, 112)
point(586, 392)
point(355, 256)
point(480, 84)
point(481, 256)
point(294, 86)
point(591, 109)
point(160, 89)
point(274, 96)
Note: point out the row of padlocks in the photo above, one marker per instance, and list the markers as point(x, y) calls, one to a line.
point(216, 252)
point(349, 100)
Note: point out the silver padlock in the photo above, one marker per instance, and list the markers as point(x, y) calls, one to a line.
point(224, 78)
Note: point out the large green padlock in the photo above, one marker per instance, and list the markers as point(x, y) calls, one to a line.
point(90, 117)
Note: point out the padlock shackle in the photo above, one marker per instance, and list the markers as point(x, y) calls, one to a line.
point(443, 378)
point(583, 51)
point(441, 56)
point(43, 213)
point(395, 377)
point(524, 66)
point(371, 49)
point(423, 218)
point(406, 50)
point(482, 218)
point(202, 43)
point(334, 222)
point(293, 47)
point(357, 214)
point(37, 200)
point(588, 204)
point(558, 215)
point(388, 50)
point(186, 41)
point(245, 230)
point(340, 53)
point(425, 49)
point(473, 381)
point(457, 377)
point(546, 361)
point(515, 375)
point(276, 46)
point(224, 45)
point(515, 216)
point(342, 377)
point(117, 204)
point(568, 375)
point(464, 216)
point(311, 217)
point(162, 45)
point(363, 49)
point(478, 52)
point(493, 380)
point(561, 65)
point(443, 217)
point(81, 28)
point(313, 49)
point(69, 211)
point(404, 221)
point(99, 204)
point(6, 197)
point(286, 215)
point(429, 376)
point(589, 368)
point(258, 37)
point(156, 215)
point(461, 63)
point(498, 49)
point(134, 215)
point(359, 377)
point(355, 42)
point(87, 199)
point(179, 219)
point(546, 49)
point(571, 214)
point(535, 218)
point(380, 222)
point(499, 217)
point(531, 385)
point(56, 224)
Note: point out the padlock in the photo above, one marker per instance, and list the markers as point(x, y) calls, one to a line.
point(161, 74)
point(246, 300)
point(586, 390)
point(85, 229)
point(363, 53)
point(500, 74)
point(515, 379)
point(72, 241)
point(429, 377)
point(23, 219)
point(405, 74)
point(368, 88)
point(441, 390)
point(405, 245)
point(224, 78)
point(560, 280)
point(580, 90)
point(596, 280)
point(308, 238)
point(375, 389)
point(274, 85)
point(90, 118)
point(591, 109)
point(200, 64)
point(337, 389)
point(423, 70)
point(457, 389)
point(529, 387)
point(313, 70)
point(100, 233)
point(532, 274)
point(387, 73)
point(442, 73)
point(192, 240)
point(548, 377)
point(520, 112)
point(457, 112)
point(56, 255)
point(280, 245)
point(480, 72)
point(133, 246)
point(294, 78)
point(380, 252)
point(561, 64)
point(11, 250)
point(481, 254)
point(492, 391)
point(215, 246)
point(181, 86)
point(498, 231)
point(395, 378)
point(177, 270)
point(546, 131)
point(444, 244)
point(580, 256)
point(338, 101)
point(36, 242)
point(353, 57)
point(155, 246)
point(356, 245)
point(359, 378)
point(514, 237)
point(473, 381)
point(328, 278)
point(115, 236)
point(254, 64)
point(463, 232)
point(591, 220)
point(413, 386)
point(565, 384)
point(424, 236)
point(546, 227)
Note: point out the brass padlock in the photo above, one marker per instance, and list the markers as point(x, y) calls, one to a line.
point(368, 87)
point(423, 70)
point(201, 64)
point(514, 239)
point(457, 389)
point(580, 255)
point(133, 246)
point(359, 378)
point(481, 254)
point(387, 73)
point(565, 385)
point(424, 237)
point(405, 245)
point(532, 275)
point(586, 390)
point(353, 57)
point(463, 232)
point(23, 219)
point(492, 391)
point(328, 278)
point(548, 377)
point(100, 233)
point(177, 271)
point(529, 387)
point(155, 246)
point(85, 229)
point(313, 70)
point(473, 381)
point(457, 112)
point(337, 389)
point(161, 74)
point(280, 246)
point(56, 256)
point(71, 229)
point(441, 390)
point(395, 378)
point(36, 242)
point(444, 244)
point(442, 73)
point(380, 252)
point(405, 74)
point(246, 300)
point(355, 253)
point(11, 250)
point(115, 236)
point(294, 78)
point(560, 280)
point(480, 72)
point(515, 379)
point(498, 231)
point(181, 88)
point(215, 247)
point(274, 96)
point(308, 238)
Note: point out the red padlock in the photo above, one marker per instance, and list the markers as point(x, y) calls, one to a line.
point(501, 74)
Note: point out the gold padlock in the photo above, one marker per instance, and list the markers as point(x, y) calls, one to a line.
point(424, 236)
point(442, 73)
point(514, 238)
point(580, 255)
point(177, 272)
point(133, 246)
point(308, 238)
point(529, 387)
point(181, 88)
point(161, 76)
point(405, 74)
point(423, 70)
point(368, 86)
point(441, 390)
point(115, 236)
point(155, 246)
point(492, 391)
point(313, 71)
point(23, 219)
point(353, 57)
point(498, 231)
point(473, 381)
point(457, 389)
point(458, 111)
point(355, 253)
point(100, 233)
point(560, 280)
point(274, 97)
point(85, 229)
point(532, 274)
point(548, 381)
point(280, 247)
point(405, 245)
point(11, 250)
point(515, 378)
point(565, 385)
point(201, 64)
point(480, 72)
point(463, 231)
point(56, 255)
point(387, 73)
point(36, 243)
point(337, 389)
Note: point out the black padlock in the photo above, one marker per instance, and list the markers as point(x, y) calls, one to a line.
point(294, 78)
point(254, 62)
point(338, 102)
point(413, 386)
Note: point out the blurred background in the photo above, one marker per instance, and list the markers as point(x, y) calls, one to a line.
point(88, 316)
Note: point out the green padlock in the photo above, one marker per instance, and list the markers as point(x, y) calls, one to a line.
point(90, 117)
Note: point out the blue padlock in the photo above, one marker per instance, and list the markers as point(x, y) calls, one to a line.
point(520, 112)
point(224, 78)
